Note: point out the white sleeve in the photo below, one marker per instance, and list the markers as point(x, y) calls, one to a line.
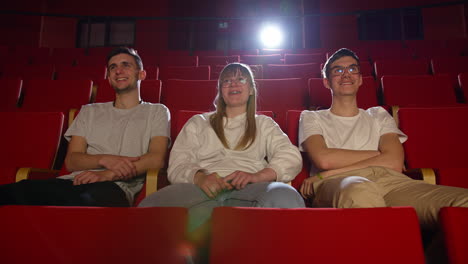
point(386, 122)
point(78, 126)
point(308, 126)
point(183, 163)
point(283, 157)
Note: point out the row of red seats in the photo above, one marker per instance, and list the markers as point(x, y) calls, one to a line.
point(277, 95)
point(239, 235)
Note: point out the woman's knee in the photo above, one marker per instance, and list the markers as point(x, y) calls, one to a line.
point(176, 195)
point(280, 195)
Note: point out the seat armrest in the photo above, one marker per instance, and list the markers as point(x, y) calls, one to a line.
point(426, 174)
point(35, 174)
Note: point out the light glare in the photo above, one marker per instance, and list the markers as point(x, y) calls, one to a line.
point(271, 37)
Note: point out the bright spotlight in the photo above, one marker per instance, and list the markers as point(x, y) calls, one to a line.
point(271, 37)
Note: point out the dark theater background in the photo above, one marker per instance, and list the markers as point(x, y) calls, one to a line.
point(414, 63)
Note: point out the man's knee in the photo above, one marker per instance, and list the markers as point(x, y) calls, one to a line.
point(358, 192)
point(280, 195)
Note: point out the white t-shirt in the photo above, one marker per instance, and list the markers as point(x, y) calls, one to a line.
point(197, 147)
point(123, 132)
point(360, 132)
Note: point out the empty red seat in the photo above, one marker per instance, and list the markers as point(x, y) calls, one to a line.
point(184, 72)
point(281, 95)
point(257, 71)
point(243, 52)
point(435, 140)
point(89, 235)
point(327, 235)
point(28, 72)
point(204, 53)
point(195, 95)
point(282, 52)
point(320, 96)
point(66, 56)
point(32, 55)
point(28, 140)
point(165, 60)
point(11, 94)
point(217, 60)
point(261, 59)
point(282, 71)
point(68, 72)
point(401, 67)
point(418, 90)
point(453, 222)
point(451, 66)
point(304, 58)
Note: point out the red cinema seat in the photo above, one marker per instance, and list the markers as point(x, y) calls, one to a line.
point(68, 72)
point(283, 71)
point(243, 52)
point(205, 53)
point(184, 73)
point(150, 91)
point(89, 235)
point(453, 222)
point(28, 140)
point(292, 130)
point(418, 90)
point(313, 235)
point(463, 83)
point(275, 51)
point(401, 67)
point(28, 72)
point(66, 56)
point(435, 140)
point(304, 58)
point(197, 95)
point(217, 60)
point(166, 60)
point(320, 96)
point(281, 95)
point(33, 55)
point(11, 94)
point(261, 59)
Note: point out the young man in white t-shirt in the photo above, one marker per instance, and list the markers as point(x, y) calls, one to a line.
point(111, 146)
point(357, 155)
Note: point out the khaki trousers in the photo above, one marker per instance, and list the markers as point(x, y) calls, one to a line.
point(381, 187)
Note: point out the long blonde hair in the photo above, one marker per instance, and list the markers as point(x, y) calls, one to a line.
point(216, 120)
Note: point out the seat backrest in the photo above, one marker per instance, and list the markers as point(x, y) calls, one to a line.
point(320, 96)
point(150, 91)
point(281, 95)
point(418, 90)
point(184, 72)
point(451, 65)
point(261, 59)
point(66, 56)
point(304, 58)
point(28, 139)
point(282, 71)
point(254, 236)
point(11, 94)
point(28, 72)
point(56, 95)
point(401, 67)
point(195, 95)
point(165, 60)
point(217, 60)
point(68, 72)
point(145, 235)
point(435, 137)
point(453, 222)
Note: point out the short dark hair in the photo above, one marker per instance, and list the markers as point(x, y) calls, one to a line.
point(343, 52)
point(126, 50)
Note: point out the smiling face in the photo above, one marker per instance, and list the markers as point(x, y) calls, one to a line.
point(123, 73)
point(342, 81)
point(235, 89)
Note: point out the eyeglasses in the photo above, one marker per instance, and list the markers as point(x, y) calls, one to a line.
point(351, 69)
point(227, 82)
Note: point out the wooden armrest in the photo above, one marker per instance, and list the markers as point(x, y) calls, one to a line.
point(35, 173)
point(395, 109)
point(71, 116)
point(155, 179)
point(426, 174)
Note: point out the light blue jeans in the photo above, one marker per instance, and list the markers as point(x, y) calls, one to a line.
point(262, 194)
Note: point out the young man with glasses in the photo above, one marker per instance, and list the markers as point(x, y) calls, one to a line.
point(357, 155)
